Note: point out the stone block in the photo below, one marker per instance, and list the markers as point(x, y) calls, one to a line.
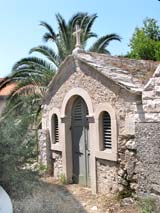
point(130, 124)
point(157, 72)
point(148, 95)
point(152, 117)
point(121, 172)
point(131, 145)
point(157, 81)
point(155, 188)
point(150, 85)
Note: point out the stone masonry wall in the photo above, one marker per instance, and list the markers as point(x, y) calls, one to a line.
point(127, 177)
point(106, 176)
point(151, 99)
point(44, 149)
point(57, 164)
point(101, 90)
point(148, 151)
point(148, 138)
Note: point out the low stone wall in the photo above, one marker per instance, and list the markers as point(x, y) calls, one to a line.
point(148, 152)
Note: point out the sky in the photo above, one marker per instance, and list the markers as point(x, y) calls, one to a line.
point(20, 29)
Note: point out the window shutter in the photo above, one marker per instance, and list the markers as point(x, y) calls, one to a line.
point(56, 129)
point(107, 131)
point(77, 113)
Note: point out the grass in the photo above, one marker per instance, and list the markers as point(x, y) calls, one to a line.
point(63, 179)
point(147, 205)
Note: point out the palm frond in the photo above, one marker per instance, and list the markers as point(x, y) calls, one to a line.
point(100, 45)
point(4, 82)
point(64, 34)
point(51, 32)
point(87, 30)
point(76, 18)
point(33, 62)
point(48, 37)
point(46, 51)
point(28, 90)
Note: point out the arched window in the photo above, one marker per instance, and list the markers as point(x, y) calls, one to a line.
point(106, 131)
point(55, 129)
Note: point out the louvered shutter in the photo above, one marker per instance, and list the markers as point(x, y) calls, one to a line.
point(106, 131)
point(55, 128)
point(77, 113)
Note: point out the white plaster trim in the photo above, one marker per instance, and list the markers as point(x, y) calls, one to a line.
point(106, 154)
point(56, 146)
point(77, 91)
point(111, 156)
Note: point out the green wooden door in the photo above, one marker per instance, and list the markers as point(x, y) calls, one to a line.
point(80, 143)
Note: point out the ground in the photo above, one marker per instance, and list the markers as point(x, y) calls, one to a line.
point(49, 196)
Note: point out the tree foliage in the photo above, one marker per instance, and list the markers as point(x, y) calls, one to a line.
point(18, 147)
point(145, 42)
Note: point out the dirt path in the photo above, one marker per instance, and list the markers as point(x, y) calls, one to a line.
point(51, 197)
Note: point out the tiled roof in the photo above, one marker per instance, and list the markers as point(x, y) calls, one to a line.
point(129, 73)
point(7, 90)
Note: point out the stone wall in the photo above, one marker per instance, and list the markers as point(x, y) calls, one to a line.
point(151, 99)
point(44, 156)
point(148, 138)
point(57, 164)
point(127, 177)
point(106, 176)
point(148, 152)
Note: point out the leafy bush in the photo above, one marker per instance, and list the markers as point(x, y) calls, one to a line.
point(17, 148)
point(145, 42)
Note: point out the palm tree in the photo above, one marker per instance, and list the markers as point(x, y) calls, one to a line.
point(64, 40)
point(33, 74)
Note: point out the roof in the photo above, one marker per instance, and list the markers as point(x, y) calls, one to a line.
point(7, 90)
point(129, 73)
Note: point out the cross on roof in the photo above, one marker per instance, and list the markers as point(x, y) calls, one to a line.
point(77, 33)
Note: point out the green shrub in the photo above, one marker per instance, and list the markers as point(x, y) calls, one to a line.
point(62, 179)
point(17, 149)
point(147, 205)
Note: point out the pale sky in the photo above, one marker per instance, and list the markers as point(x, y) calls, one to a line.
point(20, 30)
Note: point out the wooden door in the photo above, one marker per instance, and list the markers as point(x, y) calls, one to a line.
point(80, 143)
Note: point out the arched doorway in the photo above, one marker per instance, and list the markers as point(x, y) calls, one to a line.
point(80, 142)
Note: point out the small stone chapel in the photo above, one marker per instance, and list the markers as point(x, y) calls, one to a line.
point(101, 123)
